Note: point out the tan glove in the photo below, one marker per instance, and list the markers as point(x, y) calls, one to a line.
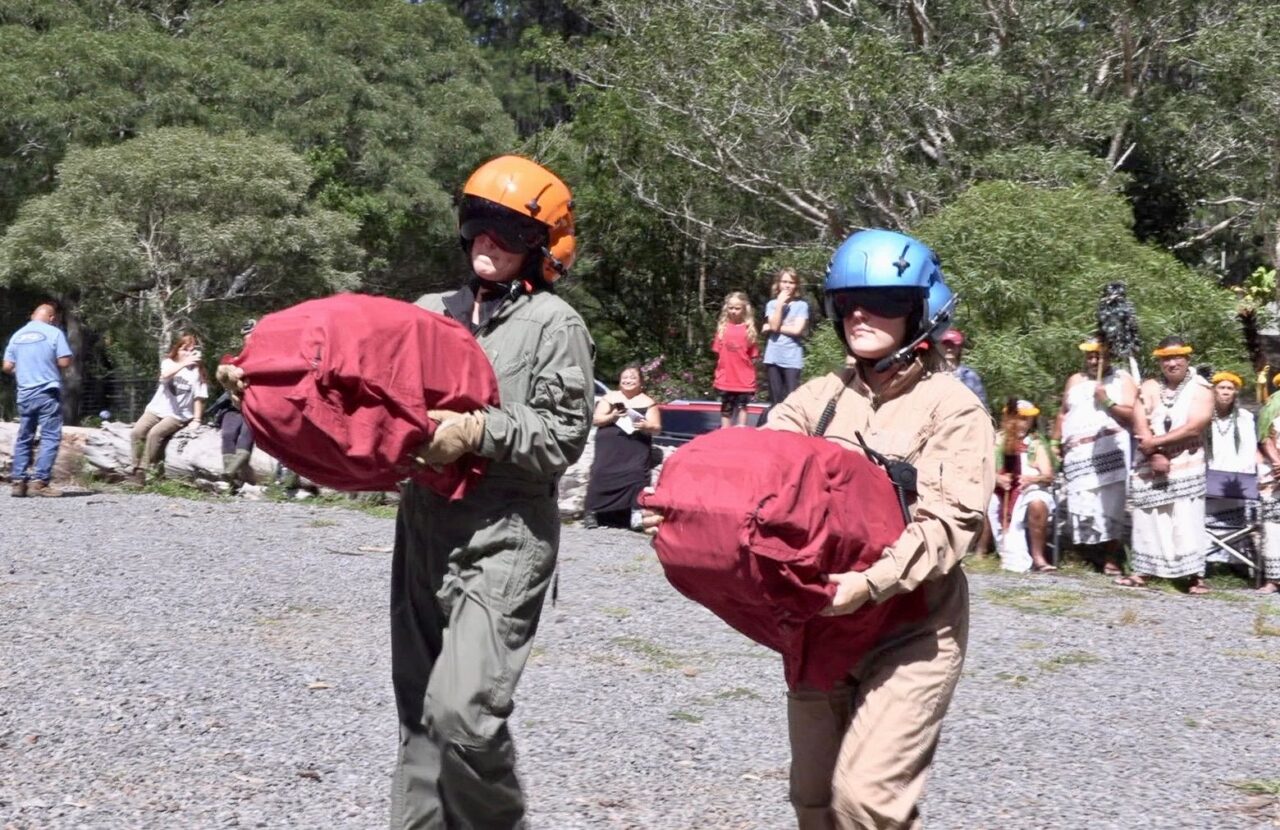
point(457, 434)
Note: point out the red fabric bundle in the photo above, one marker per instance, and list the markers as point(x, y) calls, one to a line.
point(339, 390)
point(753, 519)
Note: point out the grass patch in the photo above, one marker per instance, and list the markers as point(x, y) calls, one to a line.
point(1258, 786)
point(1128, 617)
point(1271, 656)
point(737, 693)
point(1071, 658)
point(617, 612)
point(973, 563)
point(175, 489)
point(322, 523)
point(1191, 723)
point(1032, 645)
point(1015, 679)
point(686, 717)
point(1057, 602)
point(1263, 628)
point(652, 652)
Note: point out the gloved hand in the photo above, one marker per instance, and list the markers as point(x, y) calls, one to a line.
point(457, 434)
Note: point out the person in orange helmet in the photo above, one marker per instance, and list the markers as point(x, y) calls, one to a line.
point(470, 576)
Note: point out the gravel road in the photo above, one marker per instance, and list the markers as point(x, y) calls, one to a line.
point(181, 664)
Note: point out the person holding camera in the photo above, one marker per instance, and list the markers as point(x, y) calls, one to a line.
point(178, 400)
point(626, 421)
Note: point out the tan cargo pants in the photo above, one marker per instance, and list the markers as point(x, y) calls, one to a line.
point(467, 586)
point(149, 436)
point(861, 752)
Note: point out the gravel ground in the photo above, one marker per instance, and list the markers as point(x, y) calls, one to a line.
point(181, 664)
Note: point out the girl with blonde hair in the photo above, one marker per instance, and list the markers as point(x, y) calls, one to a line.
point(736, 354)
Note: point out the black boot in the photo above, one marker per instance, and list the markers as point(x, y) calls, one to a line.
point(589, 521)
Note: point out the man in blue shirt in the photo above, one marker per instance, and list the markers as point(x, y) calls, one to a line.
point(37, 353)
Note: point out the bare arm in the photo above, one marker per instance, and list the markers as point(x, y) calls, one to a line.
point(604, 414)
point(199, 410)
point(64, 362)
point(652, 422)
point(1270, 452)
point(1138, 423)
point(10, 367)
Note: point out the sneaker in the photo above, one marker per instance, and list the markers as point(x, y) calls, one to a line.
point(44, 488)
point(589, 521)
point(18, 489)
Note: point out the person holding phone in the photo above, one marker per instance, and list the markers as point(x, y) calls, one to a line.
point(178, 400)
point(626, 421)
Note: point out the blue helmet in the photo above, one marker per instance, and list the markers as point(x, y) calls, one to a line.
point(888, 259)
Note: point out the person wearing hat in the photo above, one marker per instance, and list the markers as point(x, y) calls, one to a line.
point(1231, 446)
point(1167, 487)
point(1093, 431)
point(469, 576)
point(952, 347)
point(861, 751)
point(1020, 509)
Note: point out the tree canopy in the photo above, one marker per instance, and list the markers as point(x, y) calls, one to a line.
point(152, 231)
point(707, 145)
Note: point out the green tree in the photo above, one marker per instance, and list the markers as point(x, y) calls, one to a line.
point(1029, 264)
point(152, 235)
point(389, 102)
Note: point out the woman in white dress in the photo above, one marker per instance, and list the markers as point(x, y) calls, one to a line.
point(1231, 445)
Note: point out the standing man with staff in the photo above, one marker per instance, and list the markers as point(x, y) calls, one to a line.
point(1093, 424)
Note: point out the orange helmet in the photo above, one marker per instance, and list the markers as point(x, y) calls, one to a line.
point(525, 205)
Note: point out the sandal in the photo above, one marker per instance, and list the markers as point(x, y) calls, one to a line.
point(1268, 588)
point(1198, 589)
point(1131, 581)
point(1112, 570)
point(1043, 569)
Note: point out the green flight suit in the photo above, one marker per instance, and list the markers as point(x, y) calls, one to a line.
point(469, 577)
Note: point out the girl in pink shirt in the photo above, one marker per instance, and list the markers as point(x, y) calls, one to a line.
point(736, 353)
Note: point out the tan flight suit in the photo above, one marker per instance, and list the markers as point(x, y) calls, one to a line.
point(860, 753)
point(469, 577)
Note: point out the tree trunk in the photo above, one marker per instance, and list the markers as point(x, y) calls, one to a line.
point(73, 375)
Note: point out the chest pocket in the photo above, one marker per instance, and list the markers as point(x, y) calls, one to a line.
point(895, 443)
point(511, 349)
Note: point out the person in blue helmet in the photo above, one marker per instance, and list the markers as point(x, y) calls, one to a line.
point(860, 752)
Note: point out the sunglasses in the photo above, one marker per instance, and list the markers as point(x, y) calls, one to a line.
point(512, 239)
point(890, 303)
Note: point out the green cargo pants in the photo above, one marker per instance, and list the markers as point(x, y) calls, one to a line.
point(467, 588)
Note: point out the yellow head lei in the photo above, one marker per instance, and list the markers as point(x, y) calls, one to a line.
point(1219, 377)
point(1173, 351)
point(1090, 345)
point(1026, 409)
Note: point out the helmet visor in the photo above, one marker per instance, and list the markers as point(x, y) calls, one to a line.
point(512, 231)
point(890, 303)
